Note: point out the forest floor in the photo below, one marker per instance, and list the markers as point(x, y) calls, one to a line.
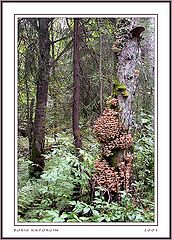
point(63, 192)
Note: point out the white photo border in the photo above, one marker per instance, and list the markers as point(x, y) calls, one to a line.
point(12, 10)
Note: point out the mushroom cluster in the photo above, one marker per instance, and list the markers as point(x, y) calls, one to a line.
point(128, 171)
point(107, 126)
point(123, 142)
point(109, 130)
point(106, 176)
point(112, 102)
point(114, 179)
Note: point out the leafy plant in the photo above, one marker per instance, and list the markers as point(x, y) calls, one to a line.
point(52, 198)
point(63, 172)
point(144, 162)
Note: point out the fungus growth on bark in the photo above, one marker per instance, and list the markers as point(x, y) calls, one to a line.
point(114, 127)
point(113, 172)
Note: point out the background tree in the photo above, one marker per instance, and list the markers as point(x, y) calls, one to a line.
point(145, 87)
point(27, 72)
point(41, 97)
point(76, 85)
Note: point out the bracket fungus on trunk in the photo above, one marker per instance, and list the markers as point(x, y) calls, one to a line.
point(136, 31)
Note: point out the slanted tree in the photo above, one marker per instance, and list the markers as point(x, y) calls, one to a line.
point(76, 85)
point(41, 98)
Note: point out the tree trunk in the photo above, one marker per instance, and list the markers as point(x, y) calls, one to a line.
point(76, 86)
point(127, 75)
point(148, 63)
point(114, 127)
point(30, 127)
point(41, 99)
point(26, 77)
point(100, 71)
point(53, 77)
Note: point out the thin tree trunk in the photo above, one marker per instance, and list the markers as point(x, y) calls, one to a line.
point(30, 136)
point(76, 86)
point(26, 76)
point(52, 48)
point(41, 99)
point(115, 61)
point(29, 127)
point(148, 54)
point(100, 73)
point(53, 77)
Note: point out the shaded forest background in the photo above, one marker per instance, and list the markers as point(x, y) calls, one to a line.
point(69, 71)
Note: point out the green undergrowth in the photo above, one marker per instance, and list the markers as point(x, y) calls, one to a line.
point(64, 191)
point(144, 162)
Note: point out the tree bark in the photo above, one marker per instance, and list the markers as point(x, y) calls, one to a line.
point(100, 71)
point(41, 98)
point(126, 70)
point(30, 126)
point(76, 86)
point(114, 127)
point(128, 61)
point(148, 64)
point(53, 77)
point(26, 77)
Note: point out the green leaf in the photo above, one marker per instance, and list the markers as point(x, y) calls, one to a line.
point(53, 213)
point(107, 218)
point(97, 193)
point(86, 210)
point(78, 208)
point(84, 219)
point(54, 152)
point(33, 220)
point(58, 219)
point(64, 215)
point(97, 200)
point(96, 213)
point(100, 219)
point(76, 217)
point(72, 220)
point(144, 120)
point(73, 203)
